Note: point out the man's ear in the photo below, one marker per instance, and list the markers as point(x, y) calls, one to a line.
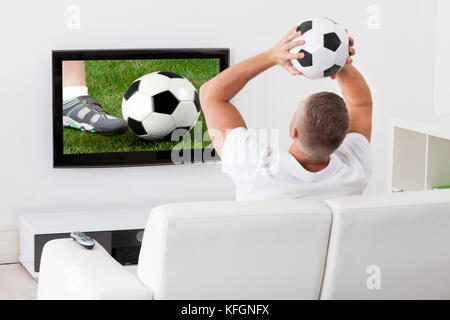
point(293, 133)
point(292, 129)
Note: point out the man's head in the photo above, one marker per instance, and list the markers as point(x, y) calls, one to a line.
point(320, 125)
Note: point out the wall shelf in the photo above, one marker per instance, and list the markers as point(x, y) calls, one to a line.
point(419, 153)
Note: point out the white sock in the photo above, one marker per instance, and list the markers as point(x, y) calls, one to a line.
point(73, 92)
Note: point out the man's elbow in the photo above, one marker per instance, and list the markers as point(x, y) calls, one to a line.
point(205, 93)
point(364, 102)
point(369, 102)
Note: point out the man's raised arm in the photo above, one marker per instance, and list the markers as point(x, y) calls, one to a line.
point(358, 99)
point(215, 95)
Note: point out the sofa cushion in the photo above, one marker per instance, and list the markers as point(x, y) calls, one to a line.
point(389, 247)
point(236, 250)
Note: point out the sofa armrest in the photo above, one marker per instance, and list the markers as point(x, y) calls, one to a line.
point(69, 271)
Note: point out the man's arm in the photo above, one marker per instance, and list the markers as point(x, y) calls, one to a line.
point(358, 99)
point(215, 95)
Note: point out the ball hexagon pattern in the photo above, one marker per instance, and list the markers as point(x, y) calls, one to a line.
point(165, 102)
point(326, 48)
point(158, 103)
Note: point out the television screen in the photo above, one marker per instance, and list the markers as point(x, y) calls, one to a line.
point(132, 107)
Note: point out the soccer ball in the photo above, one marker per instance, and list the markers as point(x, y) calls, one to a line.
point(158, 103)
point(326, 48)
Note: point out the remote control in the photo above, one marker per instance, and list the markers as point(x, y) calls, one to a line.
point(83, 239)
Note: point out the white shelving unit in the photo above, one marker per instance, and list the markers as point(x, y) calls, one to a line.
point(419, 153)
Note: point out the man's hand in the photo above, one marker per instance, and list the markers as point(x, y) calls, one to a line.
point(280, 54)
point(351, 51)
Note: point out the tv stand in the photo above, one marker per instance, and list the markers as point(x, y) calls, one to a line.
point(118, 231)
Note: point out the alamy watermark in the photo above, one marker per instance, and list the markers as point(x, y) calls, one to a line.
point(252, 147)
point(73, 279)
point(373, 282)
point(73, 20)
point(373, 21)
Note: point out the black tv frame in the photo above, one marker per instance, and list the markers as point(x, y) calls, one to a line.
point(117, 159)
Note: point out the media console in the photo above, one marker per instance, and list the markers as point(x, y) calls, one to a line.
point(118, 231)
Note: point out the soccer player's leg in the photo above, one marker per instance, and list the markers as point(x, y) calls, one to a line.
point(80, 110)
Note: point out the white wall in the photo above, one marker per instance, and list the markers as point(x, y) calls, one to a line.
point(397, 60)
point(442, 65)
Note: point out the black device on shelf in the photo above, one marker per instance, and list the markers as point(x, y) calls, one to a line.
point(64, 156)
point(123, 245)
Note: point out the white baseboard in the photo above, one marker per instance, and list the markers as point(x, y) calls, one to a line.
point(9, 246)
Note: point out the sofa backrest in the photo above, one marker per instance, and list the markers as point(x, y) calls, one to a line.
point(236, 250)
point(389, 247)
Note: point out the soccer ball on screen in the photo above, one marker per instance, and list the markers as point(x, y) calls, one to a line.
point(326, 48)
point(158, 103)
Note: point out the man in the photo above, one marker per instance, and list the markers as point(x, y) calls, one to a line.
point(330, 152)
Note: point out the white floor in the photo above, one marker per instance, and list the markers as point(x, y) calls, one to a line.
point(16, 283)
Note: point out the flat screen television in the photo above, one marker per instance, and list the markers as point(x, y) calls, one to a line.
point(131, 107)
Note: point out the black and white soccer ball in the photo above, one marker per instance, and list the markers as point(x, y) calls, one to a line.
point(158, 103)
point(326, 48)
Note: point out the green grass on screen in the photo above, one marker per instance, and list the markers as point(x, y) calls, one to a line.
point(108, 80)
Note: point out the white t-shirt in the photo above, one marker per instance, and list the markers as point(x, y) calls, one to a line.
point(262, 172)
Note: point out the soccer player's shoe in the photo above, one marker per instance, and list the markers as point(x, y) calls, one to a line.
point(86, 114)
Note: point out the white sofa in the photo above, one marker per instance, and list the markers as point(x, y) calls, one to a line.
point(366, 247)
